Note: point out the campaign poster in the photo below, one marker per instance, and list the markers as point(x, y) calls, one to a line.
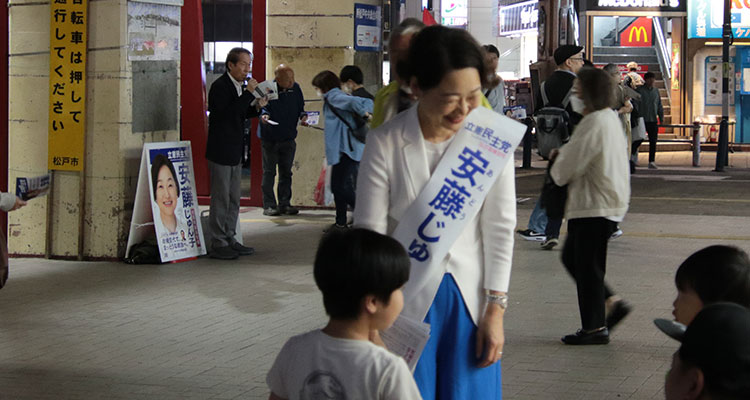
point(171, 205)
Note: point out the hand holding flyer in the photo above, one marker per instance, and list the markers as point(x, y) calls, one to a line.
point(28, 188)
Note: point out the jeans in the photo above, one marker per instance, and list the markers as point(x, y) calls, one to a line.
point(279, 154)
point(538, 218)
point(540, 223)
point(343, 185)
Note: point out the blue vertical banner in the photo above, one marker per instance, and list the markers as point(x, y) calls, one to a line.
point(367, 35)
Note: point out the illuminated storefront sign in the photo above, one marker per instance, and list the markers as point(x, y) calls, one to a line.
point(518, 18)
point(705, 18)
point(638, 34)
point(454, 13)
point(636, 5)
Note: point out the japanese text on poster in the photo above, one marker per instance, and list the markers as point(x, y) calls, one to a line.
point(67, 84)
point(174, 202)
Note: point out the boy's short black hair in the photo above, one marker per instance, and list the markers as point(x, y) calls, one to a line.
point(354, 263)
point(352, 72)
point(648, 75)
point(716, 273)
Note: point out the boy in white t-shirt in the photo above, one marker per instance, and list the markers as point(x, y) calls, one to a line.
point(360, 274)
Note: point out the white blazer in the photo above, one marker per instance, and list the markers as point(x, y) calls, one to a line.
point(393, 171)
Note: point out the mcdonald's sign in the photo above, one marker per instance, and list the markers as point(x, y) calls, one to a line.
point(637, 34)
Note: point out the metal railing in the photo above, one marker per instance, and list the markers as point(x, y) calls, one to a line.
point(662, 54)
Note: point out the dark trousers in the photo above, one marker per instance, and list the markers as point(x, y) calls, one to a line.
point(652, 129)
point(343, 185)
point(585, 257)
point(279, 154)
point(553, 227)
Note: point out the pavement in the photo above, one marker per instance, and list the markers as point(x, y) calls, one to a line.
point(208, 329)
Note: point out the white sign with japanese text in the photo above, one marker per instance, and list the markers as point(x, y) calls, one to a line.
point(166, 198)
point(455, 192)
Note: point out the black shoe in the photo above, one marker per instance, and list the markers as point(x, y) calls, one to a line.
point(224, 253)
point(619, 311)
point(336, 227)
point(271, 211)
point(533, 236)
point(583, 338)
point(288, 210)
point(242, 250)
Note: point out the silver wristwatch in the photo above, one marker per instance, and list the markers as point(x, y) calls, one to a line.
point(499, 299)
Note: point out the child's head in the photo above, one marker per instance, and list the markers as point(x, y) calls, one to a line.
point(716, 273)
point(361, 271)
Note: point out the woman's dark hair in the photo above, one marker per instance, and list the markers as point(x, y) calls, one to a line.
point(354, 263)
point(490, 48)
point(648, 75)
point(352, 72)
point(597, 88)
point(159, 161)
point(716, 273)
point(326, 81)
point(436, 51)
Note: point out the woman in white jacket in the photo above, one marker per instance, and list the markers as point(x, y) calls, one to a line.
point(465, 301)
point(595, 168)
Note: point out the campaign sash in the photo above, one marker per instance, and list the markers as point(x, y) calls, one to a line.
point(455, 192)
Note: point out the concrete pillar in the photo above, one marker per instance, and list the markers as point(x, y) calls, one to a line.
point(112, 148)
point(312, 36)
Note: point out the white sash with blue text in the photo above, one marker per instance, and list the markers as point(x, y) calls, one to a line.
point(455, 192)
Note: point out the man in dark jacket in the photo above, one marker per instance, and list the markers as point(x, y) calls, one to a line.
point(352, 80)
point(277, 132)
point(229, 106)
point(569, 60)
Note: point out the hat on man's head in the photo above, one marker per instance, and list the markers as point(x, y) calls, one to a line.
point(566, 51)
point(631, 65)
point(718, 342)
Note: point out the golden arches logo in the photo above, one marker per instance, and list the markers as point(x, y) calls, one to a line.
point(638, 30)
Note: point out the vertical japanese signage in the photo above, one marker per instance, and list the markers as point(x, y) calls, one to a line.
point(366, 27)
point(67, 84)
point(706, 18)
point(518, 18)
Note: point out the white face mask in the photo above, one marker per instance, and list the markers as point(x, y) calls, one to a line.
point(406, 90)
point(577, 104)
point(346, 89)
point(318, 93)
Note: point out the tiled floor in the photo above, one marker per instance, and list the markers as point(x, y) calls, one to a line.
point(210, 330)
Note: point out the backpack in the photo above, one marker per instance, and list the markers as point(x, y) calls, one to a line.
point(552, 124)
point(361, 127)
point(145, 252)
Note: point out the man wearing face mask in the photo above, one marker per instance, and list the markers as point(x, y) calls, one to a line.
point(557, 88)
point(351, 82)
point(277, 132)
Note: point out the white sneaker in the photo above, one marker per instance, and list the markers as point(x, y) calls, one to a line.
point(616, 234)
point(652, 165)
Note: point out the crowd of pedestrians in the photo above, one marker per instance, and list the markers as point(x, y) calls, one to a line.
point(366, 271)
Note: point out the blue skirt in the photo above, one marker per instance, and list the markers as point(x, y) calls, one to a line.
point(448, 368)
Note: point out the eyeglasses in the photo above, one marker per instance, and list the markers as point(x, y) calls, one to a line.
point(576, 58)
